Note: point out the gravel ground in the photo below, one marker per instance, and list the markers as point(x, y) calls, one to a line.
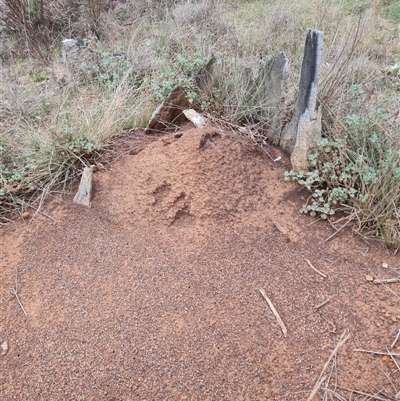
point(153, 293)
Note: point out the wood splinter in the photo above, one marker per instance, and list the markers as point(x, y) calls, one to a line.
point(386, 281)
point(275, 312)
point(316, 271)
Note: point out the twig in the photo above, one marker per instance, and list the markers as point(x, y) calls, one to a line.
point(375, 352)
point(313, 222)
point(316, 271)
point(395, 340)
point(274, 311)
point(372, 396)
point(14, 291)
point(317, 385)
point(394, 360)
point(322, 303)
point(43, 213)
point(316, 388)
point(350, 218)
point(243, 131)
point(280, 228)
point(386, 281)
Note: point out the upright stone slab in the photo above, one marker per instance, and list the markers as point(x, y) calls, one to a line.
point(204, 78)
point(71, 50)
point(304, 131)
point(268, 92)
point(270, 85)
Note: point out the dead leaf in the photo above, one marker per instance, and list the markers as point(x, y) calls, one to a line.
point(25, 215)
point(4, 348)
point(386, 359)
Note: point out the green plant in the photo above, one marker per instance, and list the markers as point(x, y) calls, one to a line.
point(180, 71)
point(358, 171)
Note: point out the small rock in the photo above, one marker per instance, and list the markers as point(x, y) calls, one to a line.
point(385, 265)
point(4, 348)
point(25, 215)
point(394, 320)
point(369, 278)
point(386, 359)
point(197, 119)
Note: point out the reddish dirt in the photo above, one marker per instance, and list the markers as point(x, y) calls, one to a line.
point(153, 293)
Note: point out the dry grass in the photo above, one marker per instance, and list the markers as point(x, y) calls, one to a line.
point(138, 50)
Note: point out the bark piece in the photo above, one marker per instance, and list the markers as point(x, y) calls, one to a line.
point(84, 194)
point(170, 111)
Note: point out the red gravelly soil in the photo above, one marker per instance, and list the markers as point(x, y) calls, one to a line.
point(153, 292)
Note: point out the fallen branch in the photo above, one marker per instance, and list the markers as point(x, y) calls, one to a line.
point(274, 311)
point(320, 379)
point(14, 291)
point(316, 271)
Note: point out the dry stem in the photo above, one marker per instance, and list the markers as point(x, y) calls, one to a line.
point(14, 291)
point(316, 270)
point(344, 337)
point(274, 311)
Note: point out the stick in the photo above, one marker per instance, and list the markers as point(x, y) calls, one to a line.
point(43, 213)
point(394, 360)
point(313, 222)
point(274, 311)
point(386, 281)
point(322, 303)
point(14, 291)
point(316, 388)
point(316, 271)
point(341, 228)
point(375, 352)
point(395, 340)
point(317, 385)
point(280, 228)
point(372, 396)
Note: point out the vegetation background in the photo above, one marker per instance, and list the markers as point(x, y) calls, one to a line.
point(54, 121)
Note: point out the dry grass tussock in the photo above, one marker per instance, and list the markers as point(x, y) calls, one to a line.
point(136, 51)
